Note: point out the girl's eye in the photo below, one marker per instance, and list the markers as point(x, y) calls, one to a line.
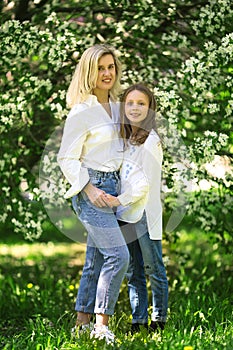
point(140, 104)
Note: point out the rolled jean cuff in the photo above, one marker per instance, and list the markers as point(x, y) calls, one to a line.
point(104, 311)
point(84, 309)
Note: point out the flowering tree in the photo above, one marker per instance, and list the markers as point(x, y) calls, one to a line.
point(183, 50)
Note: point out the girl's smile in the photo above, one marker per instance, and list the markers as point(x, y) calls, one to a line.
point(136, 107)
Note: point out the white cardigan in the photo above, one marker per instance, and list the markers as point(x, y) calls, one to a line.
point(141, 184)
point(90, 140)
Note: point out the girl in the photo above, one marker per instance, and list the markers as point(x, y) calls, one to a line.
point(139, 204)
point(90, 157)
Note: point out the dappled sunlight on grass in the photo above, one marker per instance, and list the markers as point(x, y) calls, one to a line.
point(196, 247)
point(37, 251)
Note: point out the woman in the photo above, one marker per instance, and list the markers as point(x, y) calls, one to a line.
point(139, 204)
point(90, 157)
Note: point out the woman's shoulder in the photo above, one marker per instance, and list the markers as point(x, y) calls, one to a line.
point(76, 109)
point(90, 101)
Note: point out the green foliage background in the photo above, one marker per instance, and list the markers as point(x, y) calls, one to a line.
point(182, 49)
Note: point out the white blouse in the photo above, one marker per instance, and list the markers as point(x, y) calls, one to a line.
point(141, 184)
point(90, 140)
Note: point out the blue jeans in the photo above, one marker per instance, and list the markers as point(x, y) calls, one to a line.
point(107, 255)
point(150, 252)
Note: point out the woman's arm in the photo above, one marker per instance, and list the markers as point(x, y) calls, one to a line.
point(69, 158)
point(73, 139)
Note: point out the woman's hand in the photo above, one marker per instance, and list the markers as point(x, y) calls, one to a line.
point(111, 200)
point(95, 195)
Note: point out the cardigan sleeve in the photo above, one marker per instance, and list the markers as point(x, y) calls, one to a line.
point(69, 155)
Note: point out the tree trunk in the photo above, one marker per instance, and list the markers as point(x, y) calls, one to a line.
point(21, 12)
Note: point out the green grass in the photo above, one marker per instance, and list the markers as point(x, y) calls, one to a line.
point(39, 281)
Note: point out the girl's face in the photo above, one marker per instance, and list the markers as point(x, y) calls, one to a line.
point(136, 107)
point(106, 73)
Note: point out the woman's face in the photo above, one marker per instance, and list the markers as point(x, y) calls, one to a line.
point(106, 73)
point(136, 107)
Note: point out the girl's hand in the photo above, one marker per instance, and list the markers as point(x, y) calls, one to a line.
point(111, 201)
point(95, 195)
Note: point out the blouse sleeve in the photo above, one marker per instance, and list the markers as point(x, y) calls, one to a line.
point(134, 192)
point(152, 159)
point(69, 155)
point(150, 174)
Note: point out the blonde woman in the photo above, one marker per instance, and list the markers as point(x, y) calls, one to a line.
point(90, 157)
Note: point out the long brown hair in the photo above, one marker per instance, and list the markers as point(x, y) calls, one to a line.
point(147, 124)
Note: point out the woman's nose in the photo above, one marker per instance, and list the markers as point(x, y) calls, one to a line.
point(106, 72)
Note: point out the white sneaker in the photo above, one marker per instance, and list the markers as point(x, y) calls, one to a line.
point(103, 332)
point(84, 328)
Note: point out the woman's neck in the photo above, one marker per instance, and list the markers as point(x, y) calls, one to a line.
point(102, 95)
point(103, 99)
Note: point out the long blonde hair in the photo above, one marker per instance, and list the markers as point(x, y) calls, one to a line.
point(85, 76)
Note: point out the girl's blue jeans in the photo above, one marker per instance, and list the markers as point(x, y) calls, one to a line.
point(150, 252)
point(107, 255)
